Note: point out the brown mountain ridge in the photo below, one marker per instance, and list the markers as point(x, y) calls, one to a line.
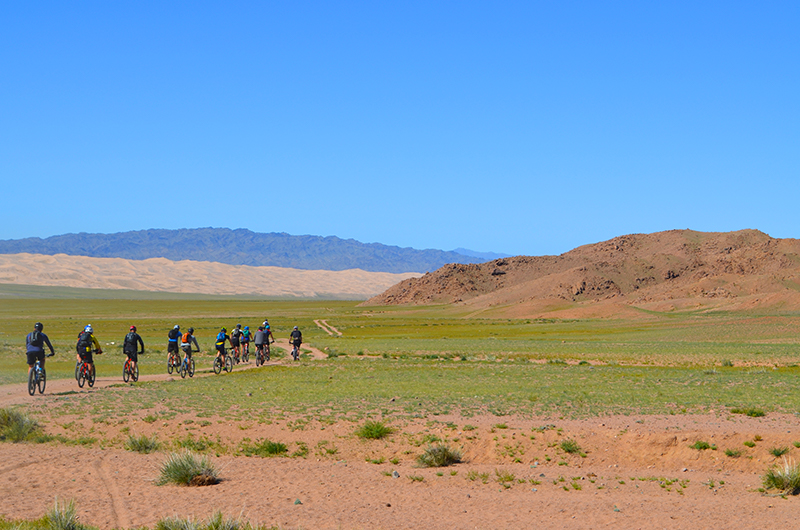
point(663, 271)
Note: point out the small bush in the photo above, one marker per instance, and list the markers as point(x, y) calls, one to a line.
point(63, 517)
point(778, 451)
point(187, 469)
point(570, 446)
point(150, 419)
point(785, 478)
point(374, 430)
point(142, 444)
point(751, 411)
point(750, 443)
point(702, 446)
point(439, 456)
point(727, 363)
point(733, 453)
point(266, 449)
point(17, 427)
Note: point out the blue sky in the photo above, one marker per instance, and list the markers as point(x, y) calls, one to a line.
point(517, 127)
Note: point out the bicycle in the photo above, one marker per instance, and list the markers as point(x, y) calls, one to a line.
point(245, 352)
point(86, 373)
point(187, 366)
point(235, 352)
point(130, 373)
point(219, 364)
point(262, 354)
point(295, 351)
point(37, 377)
point(173, 361)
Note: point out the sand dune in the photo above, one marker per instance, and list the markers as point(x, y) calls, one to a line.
point(159, 274)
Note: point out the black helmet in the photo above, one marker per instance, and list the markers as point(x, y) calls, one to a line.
point(38, 326)
point(190, 330)
point(238, 326)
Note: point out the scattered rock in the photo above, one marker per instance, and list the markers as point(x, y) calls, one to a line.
point(395, 474)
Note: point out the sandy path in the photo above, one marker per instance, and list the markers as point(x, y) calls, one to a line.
point(327, 328)
point(17, 394)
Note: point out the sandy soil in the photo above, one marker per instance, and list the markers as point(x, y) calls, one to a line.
point(624, 481)
point(159, 274)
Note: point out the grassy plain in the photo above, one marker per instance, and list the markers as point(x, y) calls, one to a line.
point(431, 359)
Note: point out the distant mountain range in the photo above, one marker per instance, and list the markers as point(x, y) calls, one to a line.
point(244, 247)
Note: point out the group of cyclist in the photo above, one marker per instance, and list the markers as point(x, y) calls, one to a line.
point(133, 345)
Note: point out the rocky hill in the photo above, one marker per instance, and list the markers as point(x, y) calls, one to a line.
point(678, 269)
point(241, 247)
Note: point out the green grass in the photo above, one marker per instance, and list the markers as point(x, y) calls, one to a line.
point(439, 456)
point(570, 446)
point(785, 478)
point(16, 427)
point(702, 446)
point(751, 411)
point(374, 430)
point(187, 469)
point(142, 444)
point(267, 448)
point(778, 451)
point(62, 516)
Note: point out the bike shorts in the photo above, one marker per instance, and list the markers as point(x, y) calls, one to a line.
point(234, 342)
point(187, 350)
point(87, 357)
point(260, 345)
point(133, 356)
point(34, 356)
point(220, 348)
point(172, 347)
point(297, 342)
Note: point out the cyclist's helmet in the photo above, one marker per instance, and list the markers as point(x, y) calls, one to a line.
point(133, 328)
point(295, 327)
point(88, 329)
point(177, 326)
point(38, 326)
point(223, 330)
point(247, 328)
point(238, 326)
point(190, 330)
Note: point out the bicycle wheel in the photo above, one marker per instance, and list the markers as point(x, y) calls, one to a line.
point(77, 369)
point(32, 381)
point(136, 373)
point(183, 369)
point(42, 380)
point(170, 367)
point(126, 371)
point(90, 377)
point(258, 357)
point(217, 365)
point(191, 368)
point(82, 374)
point(228, 364)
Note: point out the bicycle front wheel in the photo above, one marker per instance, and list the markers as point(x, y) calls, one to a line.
point(191, 368)
point(126, 372)
point(136, 373)
point(91, 376)
point(42, 381)
point(81, 375)
point(217, 365)
point(32, 381)
point(183, 370)
point(170, 367)
point(228, 364)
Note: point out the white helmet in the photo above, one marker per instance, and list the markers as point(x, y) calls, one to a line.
point(88, 329)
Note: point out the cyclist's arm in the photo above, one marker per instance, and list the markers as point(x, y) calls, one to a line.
point(96, 344)
point(47, 341)
point(141, 342)
point(194, 339)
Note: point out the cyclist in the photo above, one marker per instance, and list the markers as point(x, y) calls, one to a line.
point(87, 344)
point(172, 344)
point(268, 330)
point(131, 345)
point(296, 339)
point(222, 336)
point(34, 344)
point(261, 340)
point(186, 344)
point(245, 341)
point(236, 336)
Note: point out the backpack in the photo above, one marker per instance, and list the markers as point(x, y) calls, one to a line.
point(130, 339)
point(85, 341)
point(186, 338)
point(235, 333)
point(173, 334)
point(36, 338)
point(221, 338)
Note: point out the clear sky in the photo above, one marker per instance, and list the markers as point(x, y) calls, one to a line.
point(518, 127)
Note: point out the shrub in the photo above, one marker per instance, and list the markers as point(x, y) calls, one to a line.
point(750, 443)
point(785, 478)
point(267, 448)
point(778, 451)
point(187, 469)
point(750, 411)
point(374, 430)
point(733, 453)
point(702, 446)
point(142, 444)
point(727, 363)
point(439, 456)
point(16, 427)
point(570, 446)
point(63, 517)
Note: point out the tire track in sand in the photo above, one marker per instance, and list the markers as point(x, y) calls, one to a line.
point(327, 328)
point(121, 516)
